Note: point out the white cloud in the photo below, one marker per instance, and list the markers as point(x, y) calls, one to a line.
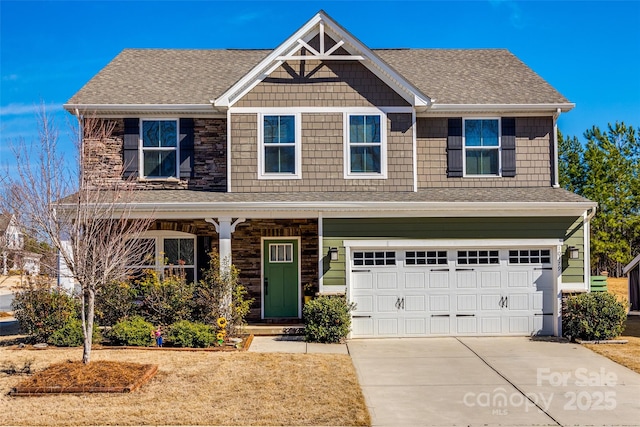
point(24, 109)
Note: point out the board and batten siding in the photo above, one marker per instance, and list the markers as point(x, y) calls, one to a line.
point(335, 231)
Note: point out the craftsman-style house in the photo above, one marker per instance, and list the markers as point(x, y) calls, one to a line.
point(421, 182)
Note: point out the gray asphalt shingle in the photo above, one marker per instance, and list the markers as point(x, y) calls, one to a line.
point(450, 76)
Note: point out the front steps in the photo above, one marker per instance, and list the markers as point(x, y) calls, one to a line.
point(264, 329)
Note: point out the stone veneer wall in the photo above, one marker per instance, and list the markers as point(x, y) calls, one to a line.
point(534, 146)
point(246, 243)
point(104, 159)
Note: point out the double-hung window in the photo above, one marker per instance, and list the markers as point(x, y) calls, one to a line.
point(365, 146)
point(159, 148)
point(280, 146)
point(482, 147)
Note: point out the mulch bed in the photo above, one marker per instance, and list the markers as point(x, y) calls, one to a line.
point(244, 346)
point(96, 377)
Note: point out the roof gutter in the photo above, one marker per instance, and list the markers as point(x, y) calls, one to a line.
point(182, 108)
point(446, 108)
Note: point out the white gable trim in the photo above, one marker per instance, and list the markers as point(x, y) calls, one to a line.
point(321, 22)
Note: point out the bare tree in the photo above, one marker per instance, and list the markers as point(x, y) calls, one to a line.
point(91, 224)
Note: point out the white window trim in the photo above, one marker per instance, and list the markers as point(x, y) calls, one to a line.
point(298, 145)
point(383, 145)
point(464, 148)
point(141, 149)
point(159, 266)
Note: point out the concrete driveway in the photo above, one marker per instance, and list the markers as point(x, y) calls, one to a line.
point(493, 381)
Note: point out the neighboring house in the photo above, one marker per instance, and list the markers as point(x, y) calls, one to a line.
point(421, 182)
point(12, 253)
point(632, 271)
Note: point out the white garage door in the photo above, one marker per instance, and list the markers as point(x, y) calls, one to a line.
point(409, 292)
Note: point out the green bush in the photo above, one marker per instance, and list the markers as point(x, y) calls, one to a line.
point(70, 335)
point(41, 311)
point(165, 300)
point(134, 331)
point(327, 319)
point(220, 294)
point(114, 302)
point(593, 316)
point(191, 334)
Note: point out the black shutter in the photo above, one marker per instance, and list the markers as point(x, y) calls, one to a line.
point(508, 146)
point(131, 147)
point(186, 148)
point(454, 148)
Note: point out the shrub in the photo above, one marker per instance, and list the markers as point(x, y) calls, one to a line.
point(327, 319)
point(219, 294)
point(41, 311)
point(593, 316)
point(191, 334)
point(114, 302)
point(164, 301)
point(70, 335)
point(134, 331)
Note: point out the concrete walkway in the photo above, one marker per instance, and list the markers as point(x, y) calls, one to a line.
point(493, 382)
point(293, 344)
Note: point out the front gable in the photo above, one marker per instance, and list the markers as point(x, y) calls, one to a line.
point(321, 39)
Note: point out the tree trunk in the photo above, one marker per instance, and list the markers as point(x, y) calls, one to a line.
point(88, 305)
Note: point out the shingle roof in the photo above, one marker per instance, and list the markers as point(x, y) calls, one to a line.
point(450, 76)
point(498, 196)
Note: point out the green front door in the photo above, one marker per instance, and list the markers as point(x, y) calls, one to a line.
point(280, 284)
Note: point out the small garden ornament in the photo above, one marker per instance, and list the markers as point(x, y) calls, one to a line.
point(158, 334)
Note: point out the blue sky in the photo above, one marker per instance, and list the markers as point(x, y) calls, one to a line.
point(589, 51)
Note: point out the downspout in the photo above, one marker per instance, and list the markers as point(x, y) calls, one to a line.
point(587, 247)
point(556, 171)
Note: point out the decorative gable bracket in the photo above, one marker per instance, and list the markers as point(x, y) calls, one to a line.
point(322, 53)
point(346, 48)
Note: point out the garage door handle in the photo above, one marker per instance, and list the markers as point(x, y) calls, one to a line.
point(360, 271)
point(464, 269)
point(439, 269)
point(543, 314)
point(360, 317)
point(543, 268)
point(439, 315)
point(465, 315)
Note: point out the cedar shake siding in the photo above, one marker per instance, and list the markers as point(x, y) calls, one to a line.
point(323, 156)
point(533, 154)
point(104, 160)
point(314, 83)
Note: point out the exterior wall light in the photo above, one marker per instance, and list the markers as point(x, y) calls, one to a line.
point(333, 254)
point(573, 252)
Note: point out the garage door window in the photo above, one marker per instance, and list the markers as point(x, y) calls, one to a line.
point(530, 256)
point(374, 258)
point(478, 257)
point(425, 257)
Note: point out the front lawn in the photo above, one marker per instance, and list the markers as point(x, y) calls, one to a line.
point(625, 354)
point(197, 388)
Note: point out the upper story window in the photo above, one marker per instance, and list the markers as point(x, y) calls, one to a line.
point(280, 146)
point(365, 146)
point(159, 148)
point(482, 147)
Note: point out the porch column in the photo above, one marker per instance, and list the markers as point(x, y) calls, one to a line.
point(225, 226)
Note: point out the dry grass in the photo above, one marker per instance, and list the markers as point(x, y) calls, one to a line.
point(198, 388)
point(625, 354)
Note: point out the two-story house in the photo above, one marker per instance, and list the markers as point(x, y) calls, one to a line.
point(12, 253)
point(421, 182)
